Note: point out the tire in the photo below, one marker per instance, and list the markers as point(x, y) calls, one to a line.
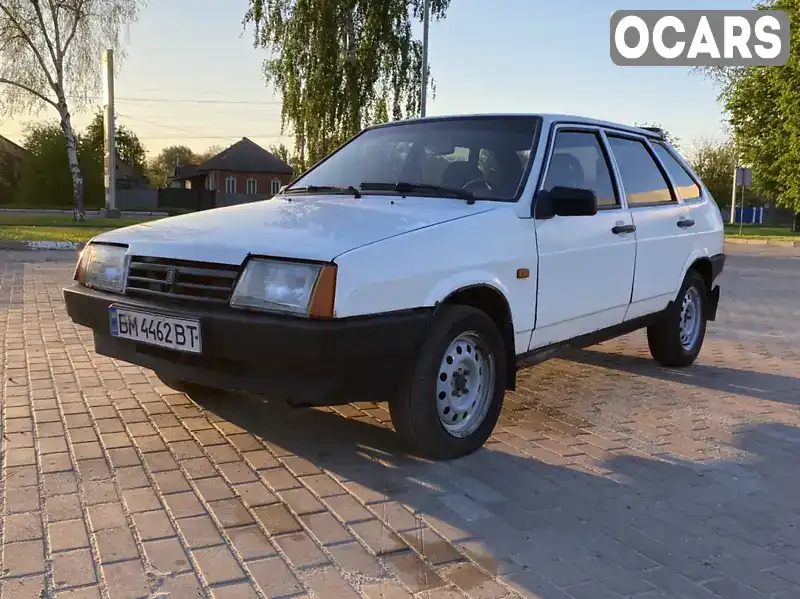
point(425, 417)
point(670, 345)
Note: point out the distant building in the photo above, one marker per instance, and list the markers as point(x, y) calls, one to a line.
point(243, 168)
point(130, 177)
point(11, 158)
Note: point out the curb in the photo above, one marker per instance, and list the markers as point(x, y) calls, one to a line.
point(41, 245)
point(772, 242)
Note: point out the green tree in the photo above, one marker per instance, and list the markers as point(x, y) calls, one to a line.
point(340, 64)
point(163, 165)
point(9, 177)
point(45, 176)
point(292, 159)
point(208, 154)
point(763, 108)
point(129, 147)
point(714, 164)
point(49, 57)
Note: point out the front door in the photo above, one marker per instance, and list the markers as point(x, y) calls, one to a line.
point(585, 262)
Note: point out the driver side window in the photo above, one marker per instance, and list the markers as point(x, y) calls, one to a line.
point(578, 161)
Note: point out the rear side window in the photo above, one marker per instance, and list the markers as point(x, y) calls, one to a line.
point(642, 178)
point(686, 187)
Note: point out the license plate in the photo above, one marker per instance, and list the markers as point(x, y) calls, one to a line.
point(181, 334)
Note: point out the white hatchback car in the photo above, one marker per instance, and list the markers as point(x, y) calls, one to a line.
point(423, 262)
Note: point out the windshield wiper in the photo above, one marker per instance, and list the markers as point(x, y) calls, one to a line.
point(324, 189)
point(437, 190)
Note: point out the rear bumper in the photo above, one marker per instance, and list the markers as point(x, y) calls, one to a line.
point(717, 266)
point(305, 361)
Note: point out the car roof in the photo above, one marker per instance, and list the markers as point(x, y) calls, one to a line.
point(547, 119)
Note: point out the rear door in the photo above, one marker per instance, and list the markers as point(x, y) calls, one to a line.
point(585, 262)
point(705, 225)
point(663, 231)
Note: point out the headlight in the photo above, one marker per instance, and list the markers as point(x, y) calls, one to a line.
point(295, 287)
point(102, 267)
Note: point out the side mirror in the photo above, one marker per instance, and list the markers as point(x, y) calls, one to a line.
point(571, 201)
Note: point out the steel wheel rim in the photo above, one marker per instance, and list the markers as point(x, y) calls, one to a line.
point(690, 318)
point(465, 384)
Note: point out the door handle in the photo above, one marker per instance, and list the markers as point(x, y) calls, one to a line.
point(620, 229)
point(685, 223)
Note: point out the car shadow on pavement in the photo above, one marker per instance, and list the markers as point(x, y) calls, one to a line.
point(688, 529)
point(759, 385)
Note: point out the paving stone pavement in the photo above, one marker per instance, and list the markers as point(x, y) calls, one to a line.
point(608, 477)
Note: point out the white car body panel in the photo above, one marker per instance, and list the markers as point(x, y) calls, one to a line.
point(304, 227)
point(585, 275)
point(424, 267)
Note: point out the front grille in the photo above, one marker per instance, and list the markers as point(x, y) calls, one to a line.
point(176, 280)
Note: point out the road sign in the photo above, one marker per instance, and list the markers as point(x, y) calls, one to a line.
point(744, 176)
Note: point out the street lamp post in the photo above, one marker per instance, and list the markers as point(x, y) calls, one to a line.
point(425, 27)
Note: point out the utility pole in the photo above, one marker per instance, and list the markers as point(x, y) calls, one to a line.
point(425, 26)
point(109, 128)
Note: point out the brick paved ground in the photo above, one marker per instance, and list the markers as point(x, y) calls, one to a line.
point(608, 478)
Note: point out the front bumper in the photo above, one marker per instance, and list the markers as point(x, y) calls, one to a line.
point(317, 362)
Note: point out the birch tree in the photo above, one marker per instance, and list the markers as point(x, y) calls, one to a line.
point(340, 64)
point(50, 56)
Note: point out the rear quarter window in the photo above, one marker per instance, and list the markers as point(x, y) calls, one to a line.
point(644, 183)
point(685, 186)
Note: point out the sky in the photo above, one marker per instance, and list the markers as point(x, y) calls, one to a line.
point(192, 75)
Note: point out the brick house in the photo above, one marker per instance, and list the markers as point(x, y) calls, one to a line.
point(243, 168)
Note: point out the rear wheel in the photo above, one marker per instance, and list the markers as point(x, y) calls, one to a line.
point(450, 401)
point(676, 339)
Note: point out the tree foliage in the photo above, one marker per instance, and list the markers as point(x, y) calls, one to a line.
point(50, 51)
point(714, 164)
point(162, 167)
point(292, 159)
point(45, 177)
point(9, 176)
point(129, 148)
point(208, 154)
point(763, 108)
point(340, 64)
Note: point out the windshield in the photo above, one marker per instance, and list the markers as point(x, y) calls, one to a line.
point(487, 156)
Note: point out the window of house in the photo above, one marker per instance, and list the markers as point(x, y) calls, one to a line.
point(252, 186)
point(686, 186)
point(643, 180)
point(579, 161)
point(210, 181)
point(230, 185)
point(275, 186)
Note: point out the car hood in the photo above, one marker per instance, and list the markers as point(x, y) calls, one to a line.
point(303, 227)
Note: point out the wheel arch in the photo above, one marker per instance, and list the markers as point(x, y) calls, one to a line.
point(494, 303)
point(703, 266)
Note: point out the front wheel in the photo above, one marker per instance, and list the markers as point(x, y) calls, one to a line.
point(450, 401)
point(676, 339)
